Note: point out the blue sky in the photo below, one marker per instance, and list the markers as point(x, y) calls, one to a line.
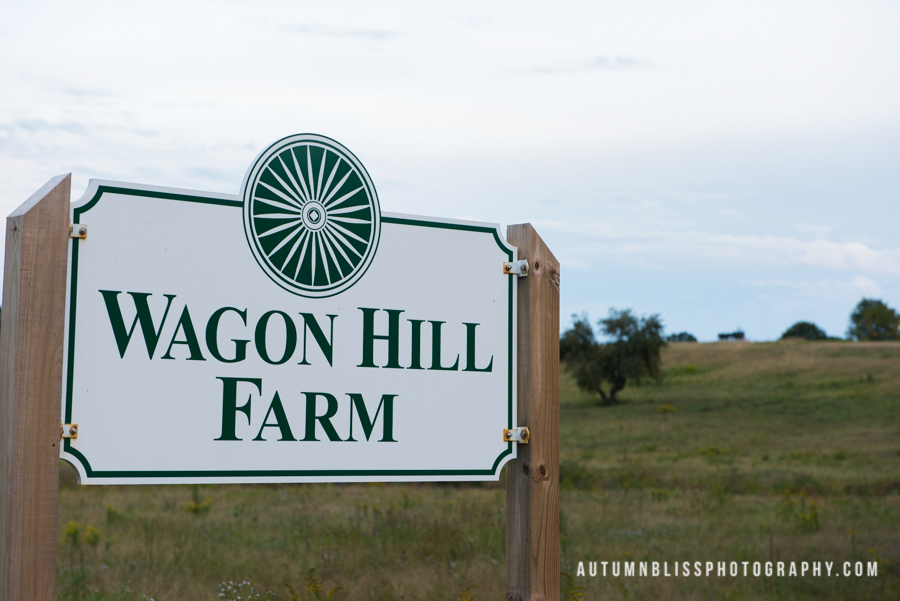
point(722, 164)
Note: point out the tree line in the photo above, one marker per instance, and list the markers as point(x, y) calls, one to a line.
point(631, 350)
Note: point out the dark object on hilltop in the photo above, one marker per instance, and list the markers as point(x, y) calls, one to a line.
point(681, 337)
point(632, 354)
point(739, 335)
point(805, 329)
point(873, 320)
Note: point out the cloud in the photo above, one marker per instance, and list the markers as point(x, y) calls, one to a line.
point(476, 22)
point(859, 285)
point(326, 31)
point(617, 62)
point(820, 231)
point(41, 126)
point(600, 63)
point(659, 249)
point(84, 93)
point(42, 138)
point(208, 173)
point(36, 138)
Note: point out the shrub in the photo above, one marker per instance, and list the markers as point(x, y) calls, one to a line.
point(681, 337)
point(805, 329)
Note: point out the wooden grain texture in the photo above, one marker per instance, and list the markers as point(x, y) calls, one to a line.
point(31, 347)
point(532, 484)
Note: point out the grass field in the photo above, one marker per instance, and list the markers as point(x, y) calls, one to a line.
point(786, 451)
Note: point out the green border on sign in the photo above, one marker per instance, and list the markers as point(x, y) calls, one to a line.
point(406, 220)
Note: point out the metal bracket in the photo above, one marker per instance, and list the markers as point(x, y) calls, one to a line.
point(519, 435)
point(519, 268)
point(68, 431)
point(80, 232)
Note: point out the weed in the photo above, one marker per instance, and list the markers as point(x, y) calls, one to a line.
point(808, 517)
point(75, 536)
point(571, 590)
point(314, 586)
point(712, 451)
point(574, 474)
point(660, 494)
point(72, 538)
point(873, 553)
point(112, 514)
point(800, 510)
point(195, 506)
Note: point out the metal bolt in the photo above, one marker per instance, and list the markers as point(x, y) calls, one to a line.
point(73, 430)
point(82, 230)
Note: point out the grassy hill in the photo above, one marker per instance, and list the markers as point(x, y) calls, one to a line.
point(785, 451)
point(743, 452)
point(823, 418)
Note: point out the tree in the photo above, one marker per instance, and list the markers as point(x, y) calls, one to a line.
point(577, 341)
point(872, 319)
point(681, 337)
point(631, 354)
point(805, 329)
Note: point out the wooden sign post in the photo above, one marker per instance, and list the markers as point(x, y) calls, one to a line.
point(532, 480)
point(512, 375)
point(31, 347)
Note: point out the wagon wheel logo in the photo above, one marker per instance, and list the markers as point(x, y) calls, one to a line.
point(311, 215)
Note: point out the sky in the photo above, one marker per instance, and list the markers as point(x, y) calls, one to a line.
point(724, 165)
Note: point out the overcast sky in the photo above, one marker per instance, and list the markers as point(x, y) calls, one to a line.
point(724, 164)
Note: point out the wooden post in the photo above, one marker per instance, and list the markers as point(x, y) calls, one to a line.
point(532, 480)
point(31, 348)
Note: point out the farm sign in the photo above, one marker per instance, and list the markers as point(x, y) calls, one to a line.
point(292, 333)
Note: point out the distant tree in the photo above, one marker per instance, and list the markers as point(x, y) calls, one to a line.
point(632, 353)
point(681, 337)
point(872, 319)
point(577, 341)
point(805, 329)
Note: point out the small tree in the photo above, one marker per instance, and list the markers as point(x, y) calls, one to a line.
point(577, 341)
point(805, 329)
point(872, 319)
point(681, 337)
point(632, 353)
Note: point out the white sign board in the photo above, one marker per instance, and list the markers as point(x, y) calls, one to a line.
point(293, 333)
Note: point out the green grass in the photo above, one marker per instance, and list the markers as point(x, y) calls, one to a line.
point(743, 452)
